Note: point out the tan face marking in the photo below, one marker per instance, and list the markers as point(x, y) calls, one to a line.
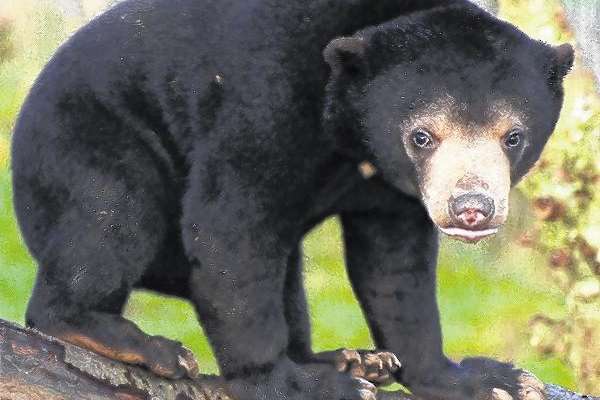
point(437, 118)
point(481, 162)
point(467, 158)
point(367, 170)
point(470, 182)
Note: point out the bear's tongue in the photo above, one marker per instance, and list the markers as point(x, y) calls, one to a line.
point(467, 235)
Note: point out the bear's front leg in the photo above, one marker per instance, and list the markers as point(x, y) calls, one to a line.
point(391, 258)
point(237, 284)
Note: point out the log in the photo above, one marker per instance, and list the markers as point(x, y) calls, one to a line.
point(34, 366)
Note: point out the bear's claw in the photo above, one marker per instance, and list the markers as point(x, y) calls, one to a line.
point(375, 367)
point(187, 361)
point(169, 359)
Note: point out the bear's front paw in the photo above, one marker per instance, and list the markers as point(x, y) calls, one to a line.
point(376, 367)
point(290, 381)
point(495, 380)
point(480, 379)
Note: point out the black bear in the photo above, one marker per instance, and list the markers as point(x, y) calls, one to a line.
point(186, 146)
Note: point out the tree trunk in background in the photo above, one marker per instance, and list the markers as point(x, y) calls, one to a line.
point(584, 19)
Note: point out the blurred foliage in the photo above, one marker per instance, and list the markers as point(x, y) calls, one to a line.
point(6, 48)
point(487, 292)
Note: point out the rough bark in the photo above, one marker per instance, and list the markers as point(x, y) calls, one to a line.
point(34, 366)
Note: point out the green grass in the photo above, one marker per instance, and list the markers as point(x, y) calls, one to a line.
point(487, 293)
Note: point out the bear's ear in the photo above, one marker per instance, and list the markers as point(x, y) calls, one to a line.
point(561, 63)
point(346, 54)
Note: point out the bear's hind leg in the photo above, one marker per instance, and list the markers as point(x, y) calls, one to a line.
point(90, 257)
point(119, 339)
point(91, 318)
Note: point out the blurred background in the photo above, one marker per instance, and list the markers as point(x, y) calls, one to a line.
point(531, 295)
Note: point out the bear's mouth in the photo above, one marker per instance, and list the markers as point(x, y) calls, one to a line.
point(469, 236)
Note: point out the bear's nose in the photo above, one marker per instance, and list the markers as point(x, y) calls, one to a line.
point(471, 210)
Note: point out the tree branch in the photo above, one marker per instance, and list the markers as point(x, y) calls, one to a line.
point(34, 366)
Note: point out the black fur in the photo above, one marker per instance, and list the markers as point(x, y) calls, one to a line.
point(180, 146)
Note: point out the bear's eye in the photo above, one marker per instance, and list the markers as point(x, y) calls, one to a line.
point(421, 138)
point(513, 139)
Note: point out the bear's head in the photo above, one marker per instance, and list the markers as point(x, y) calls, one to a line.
point(451, 105)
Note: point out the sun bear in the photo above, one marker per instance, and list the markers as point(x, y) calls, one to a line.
point(187, 146)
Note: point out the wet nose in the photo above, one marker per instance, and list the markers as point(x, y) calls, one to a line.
point(471, 210)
